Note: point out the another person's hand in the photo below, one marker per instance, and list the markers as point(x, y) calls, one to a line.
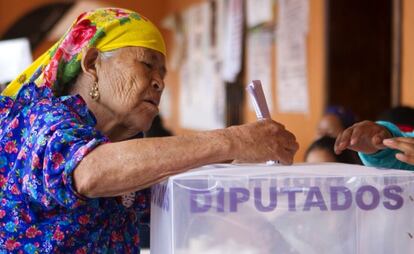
point(366, 137)
point(262, 141)
point(405, 145)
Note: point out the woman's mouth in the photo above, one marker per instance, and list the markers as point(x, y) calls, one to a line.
point(153, 102)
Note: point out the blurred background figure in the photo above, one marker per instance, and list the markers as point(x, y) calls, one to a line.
point(402, 116)
point(3, 85)
point(335, 120)
point(322, 150)
point(157, 129)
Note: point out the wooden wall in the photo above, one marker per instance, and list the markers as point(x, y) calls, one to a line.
point(10, 11)
point(155, 10)
point(407, 90)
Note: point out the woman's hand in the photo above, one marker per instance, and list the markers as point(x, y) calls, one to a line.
point(405, 145)
point(262, 141)
point(366, 137)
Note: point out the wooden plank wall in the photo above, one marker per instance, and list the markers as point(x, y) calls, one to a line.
point(407, 90)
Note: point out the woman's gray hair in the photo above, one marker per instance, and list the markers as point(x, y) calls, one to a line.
point(107, 54)
point(64, 89)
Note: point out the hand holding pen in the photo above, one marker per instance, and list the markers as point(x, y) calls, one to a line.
point(262, 140)
point(259, 103)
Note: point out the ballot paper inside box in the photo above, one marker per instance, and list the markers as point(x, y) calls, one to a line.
point(252, 209)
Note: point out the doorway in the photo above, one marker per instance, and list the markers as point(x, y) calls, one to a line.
point(360, 56)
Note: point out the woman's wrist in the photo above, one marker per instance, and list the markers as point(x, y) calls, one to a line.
point(231, 142)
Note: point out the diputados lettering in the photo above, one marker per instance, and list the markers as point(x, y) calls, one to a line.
point(338, 198)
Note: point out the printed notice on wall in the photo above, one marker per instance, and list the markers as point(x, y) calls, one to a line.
point(258, 12)
point(202, 90)
point(202, 95)
point(292, 83)
point(234, 41)
point(259, 54)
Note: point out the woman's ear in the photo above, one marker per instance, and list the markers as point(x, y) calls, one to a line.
point(88, 62)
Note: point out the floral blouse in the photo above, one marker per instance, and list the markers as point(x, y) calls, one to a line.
point(42, 140)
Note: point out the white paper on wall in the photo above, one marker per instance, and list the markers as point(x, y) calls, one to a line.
point(234, 41)
point(292, 81)
point(166, 103)
point(198, 20)
point(15, 57)
point(202, 95)
point(221, 29)
point(202, 90)
point(259, 55)
point(258, 12)
point(174, 24)
point(292, 85)
point(293, 15)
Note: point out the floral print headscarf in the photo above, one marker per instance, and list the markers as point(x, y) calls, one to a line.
point(105, 29)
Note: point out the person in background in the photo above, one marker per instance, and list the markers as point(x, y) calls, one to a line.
point(3, 86)
point(157, 129)
point(335, 120)
point(70, 170)
point(322, 150)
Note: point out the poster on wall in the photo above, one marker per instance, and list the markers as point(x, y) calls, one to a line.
point(233, 44)
point(198, 21)
point(292, 77)
point(166, 103)
point(202, 95)
point(15, 57)
point(258, 12)
point(202, 89)
point(259, 64)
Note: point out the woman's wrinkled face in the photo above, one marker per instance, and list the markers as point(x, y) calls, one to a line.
point(130, 85)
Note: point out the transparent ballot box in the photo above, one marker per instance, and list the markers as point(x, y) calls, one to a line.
point(313, 208)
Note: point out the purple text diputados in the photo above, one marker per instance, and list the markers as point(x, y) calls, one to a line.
point(295, 199)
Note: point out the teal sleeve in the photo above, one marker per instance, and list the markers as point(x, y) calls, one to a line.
point(386, 157)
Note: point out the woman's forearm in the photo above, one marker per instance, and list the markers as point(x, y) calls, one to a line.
point(118, 168)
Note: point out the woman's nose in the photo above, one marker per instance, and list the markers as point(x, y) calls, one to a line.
point(157, 85)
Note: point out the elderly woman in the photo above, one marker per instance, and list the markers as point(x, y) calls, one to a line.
point(67, 158)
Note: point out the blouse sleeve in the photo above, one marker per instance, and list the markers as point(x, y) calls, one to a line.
point(54, 149)
point(386, 158)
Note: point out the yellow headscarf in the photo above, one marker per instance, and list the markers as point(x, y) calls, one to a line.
point(106, 29)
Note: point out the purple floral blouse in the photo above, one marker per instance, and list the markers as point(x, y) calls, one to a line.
point(42, 140)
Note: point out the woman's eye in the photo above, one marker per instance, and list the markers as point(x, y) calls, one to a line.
point(148, 65)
